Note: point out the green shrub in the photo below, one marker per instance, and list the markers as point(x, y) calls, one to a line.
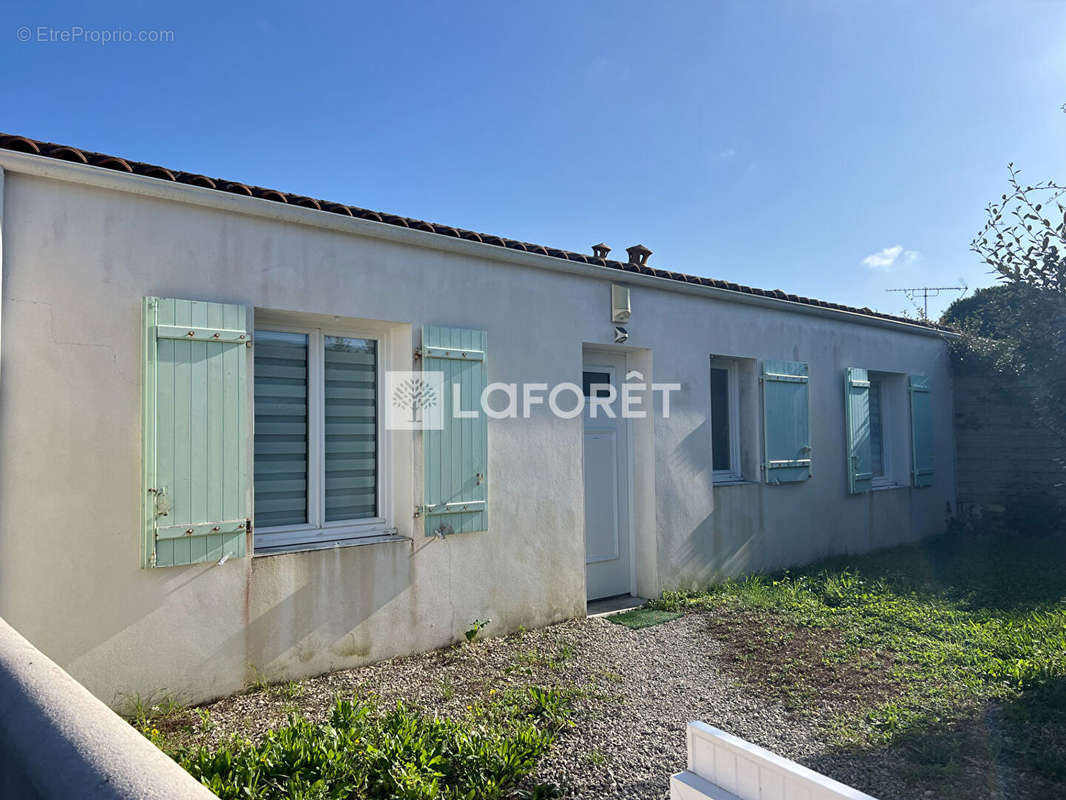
point(363, 751)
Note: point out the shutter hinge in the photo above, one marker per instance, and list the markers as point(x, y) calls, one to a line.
point(162, 503)
point(418, 511)
point(418, 353)
point(248, 525)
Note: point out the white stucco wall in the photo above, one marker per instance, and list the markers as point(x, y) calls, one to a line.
point(77, 260)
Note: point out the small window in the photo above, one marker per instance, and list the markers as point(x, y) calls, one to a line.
point(887, 429)
point(317, 461)
point(596, 384)
point(725, 421)
point(877, 430)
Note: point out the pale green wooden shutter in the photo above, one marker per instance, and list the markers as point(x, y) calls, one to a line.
point(456, 457)
point(921, 431)
point(857, 422)
point(786, 422)
point(195, 432)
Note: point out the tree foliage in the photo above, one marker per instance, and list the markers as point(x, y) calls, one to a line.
point(1019, 326)
point(988, 312)
point(1024, 238)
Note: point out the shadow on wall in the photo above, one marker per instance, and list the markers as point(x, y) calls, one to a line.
point(721, 545)
point(216, 629)
point(741, 536)
point(725, 544)
point(692, 454)
point(325, 618)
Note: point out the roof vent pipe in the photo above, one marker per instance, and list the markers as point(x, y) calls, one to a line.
point(638, 255)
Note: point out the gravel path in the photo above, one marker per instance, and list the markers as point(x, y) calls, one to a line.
point(667, 677)
point(640, 689)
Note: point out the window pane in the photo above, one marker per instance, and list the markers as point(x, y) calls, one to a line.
point(599, 380)
point(280, 428)
point(720, 445)
point(877, 451)
point(351, 428)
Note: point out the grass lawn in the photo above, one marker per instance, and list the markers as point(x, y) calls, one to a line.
point(948, 657)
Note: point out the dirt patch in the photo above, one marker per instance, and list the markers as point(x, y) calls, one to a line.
point(810, 670)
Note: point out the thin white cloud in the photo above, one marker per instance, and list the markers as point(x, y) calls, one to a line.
point(729, 152)
point(890, 257)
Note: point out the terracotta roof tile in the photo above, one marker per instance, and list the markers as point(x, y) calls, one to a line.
point(19, 143)
point(23, 144)
point(197, 180)
point(337, 208)
point(66, 153)
point(155, 172)
point(110, 162)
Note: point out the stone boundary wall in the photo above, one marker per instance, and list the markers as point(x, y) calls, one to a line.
point(1000, 451)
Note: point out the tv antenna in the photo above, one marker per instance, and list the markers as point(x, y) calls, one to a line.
point(913, 294)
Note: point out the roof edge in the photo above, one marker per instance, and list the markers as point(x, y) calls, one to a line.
point(205, 196)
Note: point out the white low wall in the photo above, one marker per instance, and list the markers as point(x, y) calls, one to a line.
point(58, 741)
point(724, 767)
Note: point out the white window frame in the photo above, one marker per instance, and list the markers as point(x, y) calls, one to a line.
point(317, 532)
point(885, 479)
point(734, 474)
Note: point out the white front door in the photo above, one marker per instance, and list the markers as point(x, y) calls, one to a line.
point(607, 536)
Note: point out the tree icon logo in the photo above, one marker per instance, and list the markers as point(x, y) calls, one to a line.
point(415, 400)
point(415, 394)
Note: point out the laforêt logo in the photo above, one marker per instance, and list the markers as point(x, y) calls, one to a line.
point(422, 400)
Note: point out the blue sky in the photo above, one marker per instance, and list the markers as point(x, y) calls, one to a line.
point(775, 144)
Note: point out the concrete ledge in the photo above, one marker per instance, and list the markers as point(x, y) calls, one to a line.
point(614, 605)
point(58, 741)
point(690, 786)
point(731, 767)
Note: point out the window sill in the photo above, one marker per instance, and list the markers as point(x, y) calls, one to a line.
point(328, 544)
point(882, 487)
point(731, 482)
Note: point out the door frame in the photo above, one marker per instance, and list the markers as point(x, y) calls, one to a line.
point(615, 360)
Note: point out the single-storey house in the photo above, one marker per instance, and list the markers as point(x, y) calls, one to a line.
point(199, 483)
